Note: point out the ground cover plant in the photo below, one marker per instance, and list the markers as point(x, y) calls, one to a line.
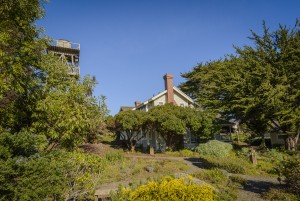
point(227, 186)
point(167, 188)
point(58, 175)
point(182, 153)
point(136, 169)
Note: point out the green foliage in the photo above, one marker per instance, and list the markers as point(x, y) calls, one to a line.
point(214, 176)
point(232, 165)
point(182, 153)
point(167, 120)
point(275, 194)
point(172, 121)
point(292, 173)
point(215, 148)
point(20, 54)
point(168, 188)
point(20, 144)
point(68, 116)
point(54, 176)
point(130, 124)
point(41, 108)
point(272, 161)
point(36, 93)
point(114, 156)
point(227, 189)
point(238, 179)
point(258, 85)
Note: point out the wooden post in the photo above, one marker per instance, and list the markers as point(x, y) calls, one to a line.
point(151, 150)
point(253, 157)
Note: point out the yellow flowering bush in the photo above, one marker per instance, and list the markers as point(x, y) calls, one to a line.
point(168, 188)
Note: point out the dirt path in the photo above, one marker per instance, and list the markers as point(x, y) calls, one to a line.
point(254, 187)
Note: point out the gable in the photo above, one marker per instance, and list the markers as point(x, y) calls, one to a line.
point(180, 98)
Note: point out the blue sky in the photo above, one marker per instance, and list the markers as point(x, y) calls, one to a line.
point(130, 44)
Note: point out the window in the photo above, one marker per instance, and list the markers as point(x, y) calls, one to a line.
point(181, 104)
point(160, 103)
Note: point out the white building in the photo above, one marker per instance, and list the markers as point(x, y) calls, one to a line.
point(171, 94)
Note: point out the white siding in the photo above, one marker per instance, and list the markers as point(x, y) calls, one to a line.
point(161, 99)
point(180, 100)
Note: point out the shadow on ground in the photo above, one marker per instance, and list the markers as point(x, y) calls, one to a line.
point(196, 162)
point(259, 187)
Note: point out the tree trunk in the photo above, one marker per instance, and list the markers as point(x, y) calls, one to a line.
point(263, 141)
point(290, 143)
point(132, 148)
point(132, 144)
point(297, 138)
point(237, 137)
point(169, 142)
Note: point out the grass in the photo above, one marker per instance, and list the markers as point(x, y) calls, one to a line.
point(135, 169)
point(278, 194)
point(182, 153)
point(226, 186)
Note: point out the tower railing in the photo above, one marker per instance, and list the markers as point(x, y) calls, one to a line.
point(65, 44)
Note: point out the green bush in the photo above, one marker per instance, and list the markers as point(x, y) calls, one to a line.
point(238, 180)
point(23, 144)
point(182, 153)
point(113, 156)
point(227, 190)
point(292, 173)
point(55, 176)
point(167, 189)
point(230, 164)
point(275, 155)
point(279, 195)
point(214, 176)
point(215, 148)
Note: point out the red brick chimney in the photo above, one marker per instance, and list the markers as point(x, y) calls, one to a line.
point(137, 103)
point(169, 87)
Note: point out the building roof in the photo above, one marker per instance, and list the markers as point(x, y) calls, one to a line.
point(163, 93)
point(125, 108)
point(169, 92)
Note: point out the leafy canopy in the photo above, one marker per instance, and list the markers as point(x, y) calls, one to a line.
point(259, 85)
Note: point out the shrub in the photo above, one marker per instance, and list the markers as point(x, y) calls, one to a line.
point(167, 188)
point(232, 165)
point(23, 144)
point(54, 176)
point(186, 153)
point(227, 190)
point(182, 153)
point(275, 194)
point(275, 155)
point(215, 148)
point(238, 180)
point(214, 176)
point(113, 156)
point(292, 173)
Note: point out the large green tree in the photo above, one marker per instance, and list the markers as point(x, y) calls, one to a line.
point(21, 50)
point(42, 107)
point(131, 124)
point(172, 122)
point(259, 85)
point(36, 92)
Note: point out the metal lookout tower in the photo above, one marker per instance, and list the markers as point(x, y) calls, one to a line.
point(68, 53)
